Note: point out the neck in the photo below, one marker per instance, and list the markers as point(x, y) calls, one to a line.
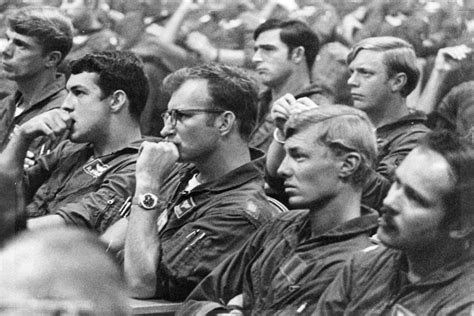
point(228, 157)
point(298, 80)
point(391, 112)
point(33, 86)
point(334, 211)
point(422, 262)
point(117, 138)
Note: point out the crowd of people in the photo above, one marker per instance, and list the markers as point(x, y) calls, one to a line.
point(262, 157)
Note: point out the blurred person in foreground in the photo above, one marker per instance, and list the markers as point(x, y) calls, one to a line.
point(41, 273)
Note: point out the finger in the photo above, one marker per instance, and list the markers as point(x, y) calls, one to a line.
point(306, 102)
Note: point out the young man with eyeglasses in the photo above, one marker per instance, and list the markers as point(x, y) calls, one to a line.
point(198, 194)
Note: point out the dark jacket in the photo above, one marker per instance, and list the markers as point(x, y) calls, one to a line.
point(280, 268)
point(376, 283)
point(83, 191)
point(200, 228)
point(394, 142)
point(51, 97)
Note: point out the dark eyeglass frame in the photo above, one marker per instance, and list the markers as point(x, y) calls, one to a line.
point(177, 114)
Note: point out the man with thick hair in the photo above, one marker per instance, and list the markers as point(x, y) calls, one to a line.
point(87, 179)
point(198, 194)
point(39, 38)
point(425, 265)
point(383, 73)
point(329, 154)
point(284, 56)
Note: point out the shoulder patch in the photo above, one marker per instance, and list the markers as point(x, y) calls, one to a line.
point(251, 209)
point(184, 207)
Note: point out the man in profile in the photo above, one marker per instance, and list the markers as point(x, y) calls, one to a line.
point(87, 179)
point(328, 155)
point(425, 264)
point(285, 52)
point(39, 38)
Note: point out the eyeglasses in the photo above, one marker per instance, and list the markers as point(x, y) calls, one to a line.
point(176, 115)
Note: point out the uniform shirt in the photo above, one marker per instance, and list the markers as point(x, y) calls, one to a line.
point(202, 227)
point(281, 267)
point(51, 97)
point(394, 141)
point(397, 139)
point(82, 189)
point(376, 283)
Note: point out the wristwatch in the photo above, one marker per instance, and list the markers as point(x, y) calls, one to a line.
point(147, 201)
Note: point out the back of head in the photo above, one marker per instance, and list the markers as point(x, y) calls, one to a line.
point(459, 153)
point(60, 269)
point(294, 33)
point(230, 88)
point(117, 70)
point(398, 57)
point(48, 25)
point(342, 129)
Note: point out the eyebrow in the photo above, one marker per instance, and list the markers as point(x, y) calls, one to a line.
point(264, 46)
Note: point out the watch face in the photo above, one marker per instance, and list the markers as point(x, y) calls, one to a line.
point(149, 201)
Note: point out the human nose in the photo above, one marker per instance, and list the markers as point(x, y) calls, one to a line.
point(284, 169)
point(168, 127)
point(393, 198)
point(352, 81)
point(257, 56)
point(67, 104)
point(8, 50)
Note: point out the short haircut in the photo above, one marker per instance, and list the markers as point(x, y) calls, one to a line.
point(293, 33)
point(342, 129)
point(459, 154)
point(398, 56)
point(117, 70)
point(52, 29)
point(61, 268)
point(230, 88)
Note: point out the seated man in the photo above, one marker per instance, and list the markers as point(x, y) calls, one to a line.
point(186, 218)
point(425, 265)
point(85, 181)
point(39, 38)
point(329, 153)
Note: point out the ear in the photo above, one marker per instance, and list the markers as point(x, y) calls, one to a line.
point(349, 164)
point(225, 122)
point(297, 55)
point(117, 101)
point(398, 81)
point(461, 229)
point(52, 59)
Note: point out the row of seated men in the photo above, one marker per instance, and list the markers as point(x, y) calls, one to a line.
point(187, 214)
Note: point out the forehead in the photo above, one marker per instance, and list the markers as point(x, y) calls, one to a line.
point(191, 94)
point(427, 172)
point(306, 139)
point(368, 58)
point(269, 37)
point(86, 80)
